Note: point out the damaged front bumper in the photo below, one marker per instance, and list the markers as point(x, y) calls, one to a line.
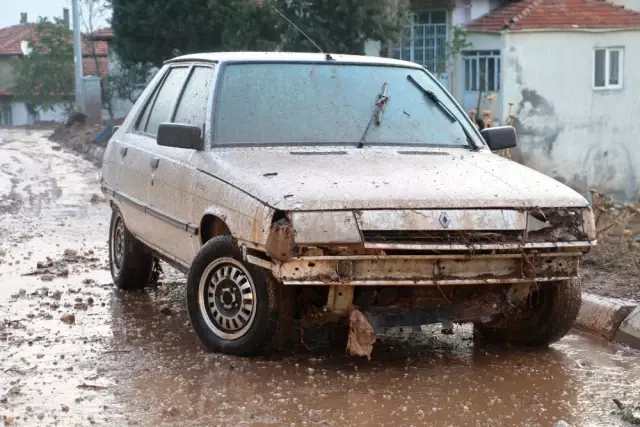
point(427, 247)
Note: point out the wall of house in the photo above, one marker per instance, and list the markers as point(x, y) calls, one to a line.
point(20, 115)
point(6, 72)
point(628, 4)
point(468, 10)
point(583, 137)
point(479, 41)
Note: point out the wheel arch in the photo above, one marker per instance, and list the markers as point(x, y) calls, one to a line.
point(212, 225)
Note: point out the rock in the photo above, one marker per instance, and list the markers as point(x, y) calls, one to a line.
point(173, 411)
point(165, 310)
point(2, 252)
point(65, 408)
point(68, 318)
point(561, 423)
point(90, 301)
point(47, 277)
point(70, 252)
point(56, 147)
point(361, 335)
point(9, 420)
point(13, 391)
point(81, 306)
point(56, 295)
point(96, 198)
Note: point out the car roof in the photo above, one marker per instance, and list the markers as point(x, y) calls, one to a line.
point(289, 57)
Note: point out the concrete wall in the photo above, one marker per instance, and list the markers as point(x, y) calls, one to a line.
point(584, 137)
point(20, 115)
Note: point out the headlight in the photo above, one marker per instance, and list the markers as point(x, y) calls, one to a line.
point(321, 228)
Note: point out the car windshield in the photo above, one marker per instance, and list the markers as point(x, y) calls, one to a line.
point(332, 103)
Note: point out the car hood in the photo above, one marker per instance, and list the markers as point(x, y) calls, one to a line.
point(302, 178)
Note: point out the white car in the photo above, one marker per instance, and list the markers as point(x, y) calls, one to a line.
point(305, 186)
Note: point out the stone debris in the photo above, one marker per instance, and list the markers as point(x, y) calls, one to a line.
point(628, 413)
point(361, 335)
point(68, 318)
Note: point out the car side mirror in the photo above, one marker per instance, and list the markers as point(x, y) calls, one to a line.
point(499, 137)
point(180, 136)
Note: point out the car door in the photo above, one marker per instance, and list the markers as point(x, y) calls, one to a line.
point(169, 196)
point(141, 148)
point(130, 155)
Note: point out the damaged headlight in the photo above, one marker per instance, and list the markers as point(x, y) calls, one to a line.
point(324, 228)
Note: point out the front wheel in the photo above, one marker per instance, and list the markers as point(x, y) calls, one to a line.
point(546, 317)
point(233, 305)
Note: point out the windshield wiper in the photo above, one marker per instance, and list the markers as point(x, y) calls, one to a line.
point(377, 113)
point(434, 98)
point(438, 102)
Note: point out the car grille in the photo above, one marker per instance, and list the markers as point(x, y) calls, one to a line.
point(442, 237)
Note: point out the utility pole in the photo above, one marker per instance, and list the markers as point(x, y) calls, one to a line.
point(77, 56)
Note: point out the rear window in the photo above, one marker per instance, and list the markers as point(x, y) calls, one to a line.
point(299, 103)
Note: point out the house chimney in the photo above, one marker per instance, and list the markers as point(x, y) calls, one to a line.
point(23, 17)
point(65, 17)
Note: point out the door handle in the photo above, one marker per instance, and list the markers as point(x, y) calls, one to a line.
point(154, 162)
point(123, 151)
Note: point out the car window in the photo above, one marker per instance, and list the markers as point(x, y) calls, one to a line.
point(332, 103)
point(162, 106)
point(192, 107)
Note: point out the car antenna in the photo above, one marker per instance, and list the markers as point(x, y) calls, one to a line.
point(326, 55)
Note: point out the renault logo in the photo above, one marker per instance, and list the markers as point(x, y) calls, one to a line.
point(444, 219)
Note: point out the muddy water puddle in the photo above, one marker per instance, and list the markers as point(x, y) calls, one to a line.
point(133, 359)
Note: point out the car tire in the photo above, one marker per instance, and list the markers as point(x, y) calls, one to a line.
point(234, 306)
point(130, 262)
point(547, 316)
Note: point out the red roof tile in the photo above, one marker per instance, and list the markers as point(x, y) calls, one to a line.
point(89, 66)
point(11, 39)
point(557, 14)
point(105, 34)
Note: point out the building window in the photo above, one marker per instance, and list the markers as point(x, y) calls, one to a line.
point(424, 41)
point(5, 114)
point(481, 70)
point(607, 68)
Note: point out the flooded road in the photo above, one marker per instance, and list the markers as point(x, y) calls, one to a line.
point(74, 351)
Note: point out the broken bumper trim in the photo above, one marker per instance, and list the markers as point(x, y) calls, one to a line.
point(425, 270)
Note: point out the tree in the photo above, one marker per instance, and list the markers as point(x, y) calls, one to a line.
point(341, 26)
point(44, 77)
point(152, 32)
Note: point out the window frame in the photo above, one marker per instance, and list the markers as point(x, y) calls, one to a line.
point(187, 79)
point(153, 96)
point(468, 57)
point(607, 50)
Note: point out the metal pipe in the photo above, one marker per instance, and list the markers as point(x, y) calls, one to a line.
point(77, 56)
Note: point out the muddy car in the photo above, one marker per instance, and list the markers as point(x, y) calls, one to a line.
point(304, 189)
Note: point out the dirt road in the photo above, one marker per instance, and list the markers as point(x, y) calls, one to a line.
point(132, 359)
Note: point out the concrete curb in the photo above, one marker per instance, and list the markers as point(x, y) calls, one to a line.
point(610, 318)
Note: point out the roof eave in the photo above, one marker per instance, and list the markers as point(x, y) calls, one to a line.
point(573, 30)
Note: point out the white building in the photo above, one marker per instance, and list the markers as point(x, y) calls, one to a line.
point(570, 68)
